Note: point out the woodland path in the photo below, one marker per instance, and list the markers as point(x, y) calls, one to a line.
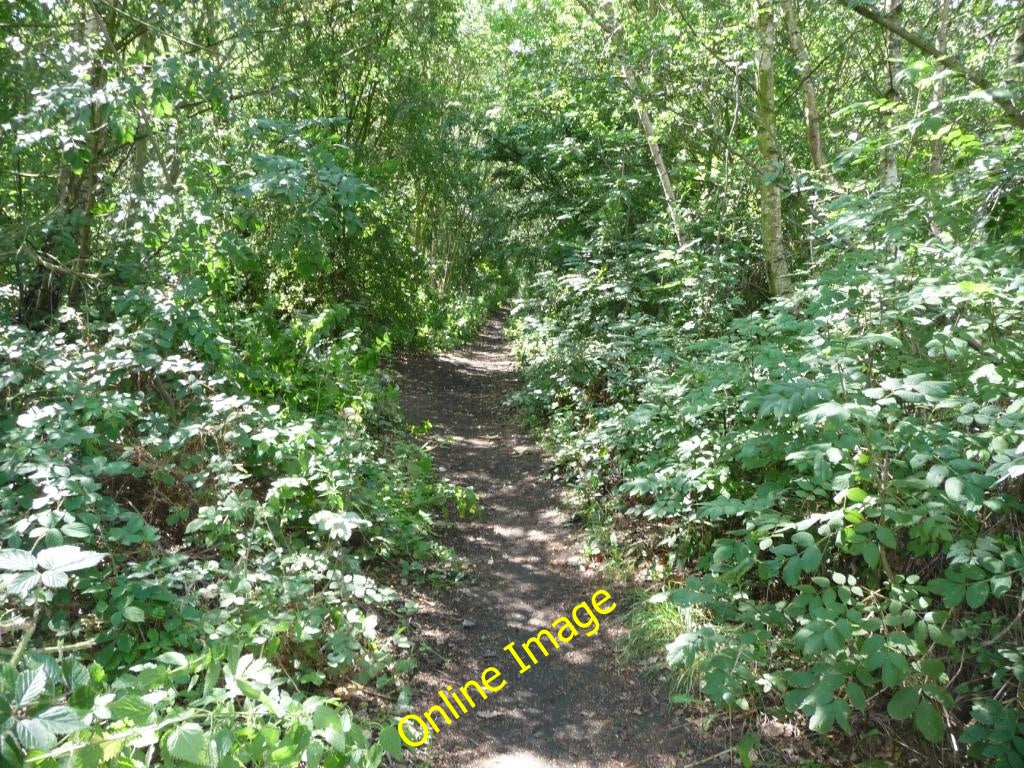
point(579, 706)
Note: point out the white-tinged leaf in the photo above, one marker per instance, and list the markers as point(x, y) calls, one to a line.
point(134, 613)
point(34, 734)
point(29, 686)
point(173, 659)
point(21, 584)
point(936, 475)
point(69, 558)
point(76, 530)
point(954, 488)
point(17, 560)
point(61, 720)
point(55, 579)
point(338, 525)
point(987, 372)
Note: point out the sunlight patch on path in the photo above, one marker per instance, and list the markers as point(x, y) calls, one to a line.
point(516, 760)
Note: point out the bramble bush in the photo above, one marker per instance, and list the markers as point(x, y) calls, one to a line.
point(194, 540)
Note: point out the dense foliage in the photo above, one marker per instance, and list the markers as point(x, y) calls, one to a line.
point(824, 487)
point(215, 219)
point(772, 328)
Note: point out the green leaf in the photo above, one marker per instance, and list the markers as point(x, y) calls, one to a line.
point(189, 743)
point(977, 594)
point(162, 107)
point(746, 747)
point(856, 495)
point(886, 537)
point(904, 703)
point(929, 722)
point(810, 559)
point(17, 560)
point(325, 717)
point(130, 707)
point(68, 558)
point(134, 613)
point(791, 571)
point(33, 734)
point(856, 696)
point(28, 686)
point(76, 531)
point(391, 741)
point(61, 720)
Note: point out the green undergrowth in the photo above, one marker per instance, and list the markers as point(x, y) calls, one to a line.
point(833, 482)
point(652, 626)
point(210, 528)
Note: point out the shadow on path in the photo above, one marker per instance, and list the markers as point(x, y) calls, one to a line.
point(577, 707)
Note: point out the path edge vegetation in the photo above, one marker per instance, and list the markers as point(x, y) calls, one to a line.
point(819, 485)
point(768, 256)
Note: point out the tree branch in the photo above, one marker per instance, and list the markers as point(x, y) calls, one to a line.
point(946, 60)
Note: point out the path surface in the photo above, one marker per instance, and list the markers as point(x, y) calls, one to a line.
point(577, 707)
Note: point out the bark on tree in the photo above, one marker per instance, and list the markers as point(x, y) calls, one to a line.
point(652, 143)
point(803, 63)
point(779, 281)
point(610, 28)
point(891, 166)
point(947, 60)
point(939, 89)
point(60, 262)
point(1017, 52)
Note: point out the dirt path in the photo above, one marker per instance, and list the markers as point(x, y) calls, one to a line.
point(577, 707)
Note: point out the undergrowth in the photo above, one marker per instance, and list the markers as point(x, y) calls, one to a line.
point(834, 482)
point(210, 514)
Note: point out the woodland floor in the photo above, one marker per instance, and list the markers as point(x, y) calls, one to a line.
point(580, 706)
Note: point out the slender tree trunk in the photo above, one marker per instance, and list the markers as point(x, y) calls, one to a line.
point(939, 89)
point(67, 247)
point(779, 281)
point(610, 28)
point(1017, 53)
point(803, 63)
point(890, 166)
point(659, 161)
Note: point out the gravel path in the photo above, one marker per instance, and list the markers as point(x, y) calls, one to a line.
point(579, 706)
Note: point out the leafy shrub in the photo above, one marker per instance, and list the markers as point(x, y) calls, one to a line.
point(834, 480)
point(245, 489)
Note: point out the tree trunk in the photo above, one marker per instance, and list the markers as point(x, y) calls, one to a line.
point(610, 28)
point(1017, 53)
point(890, 166)
point(66, 248)
point(659, 161)
point(939, 89)
point(803, 63)
point(779, 281)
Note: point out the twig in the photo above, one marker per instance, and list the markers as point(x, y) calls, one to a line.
point(709, 758)
point(30, 630)
point(79, 646)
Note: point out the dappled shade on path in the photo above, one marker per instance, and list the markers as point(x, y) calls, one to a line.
point(578, 706)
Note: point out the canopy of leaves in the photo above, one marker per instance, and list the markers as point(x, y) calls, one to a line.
point(218, 218)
